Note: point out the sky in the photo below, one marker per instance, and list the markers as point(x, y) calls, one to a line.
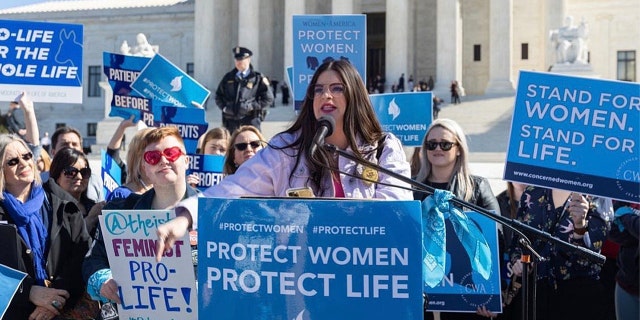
point(4, 4)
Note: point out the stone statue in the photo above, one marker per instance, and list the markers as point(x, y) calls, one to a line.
point(142, 48)
point(570, 42)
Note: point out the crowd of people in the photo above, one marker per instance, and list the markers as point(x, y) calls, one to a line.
point(55, 202)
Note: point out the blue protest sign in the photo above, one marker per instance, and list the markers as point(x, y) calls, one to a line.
point(10, 280)
point(162, 80)
point(191, 123)
point(321, 38)
point(42, 58)
point(407, 115)
point(121, 71)
point(463, 289)
point(208, 168)
point(111, 174)
point(576, 134)
point(309, 259)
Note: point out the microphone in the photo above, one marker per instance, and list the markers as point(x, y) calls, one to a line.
point(326, 124)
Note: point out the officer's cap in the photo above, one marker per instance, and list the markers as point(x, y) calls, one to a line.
point(241, 53)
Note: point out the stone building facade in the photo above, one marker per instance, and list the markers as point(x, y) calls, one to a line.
point(481, 43)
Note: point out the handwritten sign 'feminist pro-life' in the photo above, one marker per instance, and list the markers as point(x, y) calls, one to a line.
point(577, 134)
point(148, 289)
point(44, 59)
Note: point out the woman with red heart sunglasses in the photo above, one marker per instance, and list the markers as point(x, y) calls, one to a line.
point(164, 163)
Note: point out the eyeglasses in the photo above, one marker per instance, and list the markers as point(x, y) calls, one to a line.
point(71, 172)
point(14, 161)
point(444, 145)
point(154, 156)
point(335, 89)
point(243, 145)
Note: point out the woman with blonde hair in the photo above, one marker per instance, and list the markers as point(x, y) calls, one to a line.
point(244, 143)
point(445, 165)
point(136, 182)
point(49, 227)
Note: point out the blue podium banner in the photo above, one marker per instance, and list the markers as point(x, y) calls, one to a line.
point(321, 38)
point(576, 134)
point(309, 259)
point(42, 58)
point(407, 115)
point(463, 289)
point(208, 168)
point(162, 80)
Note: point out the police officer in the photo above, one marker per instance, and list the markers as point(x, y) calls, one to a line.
point(243, 94)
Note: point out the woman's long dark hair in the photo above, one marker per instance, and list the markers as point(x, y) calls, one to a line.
point(359, 121)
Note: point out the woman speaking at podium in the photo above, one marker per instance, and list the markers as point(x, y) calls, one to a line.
point(336, 90)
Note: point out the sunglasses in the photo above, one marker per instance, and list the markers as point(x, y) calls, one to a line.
point(71, 172)
point(243, 145)
point(14, 161)
point(335, 89)
point(444, 145)
point(154, 156)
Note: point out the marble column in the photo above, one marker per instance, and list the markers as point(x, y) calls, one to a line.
point(291, 7)
point(449, 46)
point(249, 27)
point(396, 41)
point(500, 47)
point(341, 6)
point(203, 52)
point(556, 12)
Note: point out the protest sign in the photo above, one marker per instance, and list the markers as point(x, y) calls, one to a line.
point(576, 134)
point(463, 289)
point(42, 58)
point(208, 168)
point(10, 280)
point(121, 71)
point(191, 123)
point(163, 81)
point(148, 289)
point(407, 115)
point(321, 38)
point(309, 259)
point(111, 174)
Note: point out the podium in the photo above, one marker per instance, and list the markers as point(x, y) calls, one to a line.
point(292, 258)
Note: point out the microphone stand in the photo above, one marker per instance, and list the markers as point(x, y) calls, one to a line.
point(514, 224)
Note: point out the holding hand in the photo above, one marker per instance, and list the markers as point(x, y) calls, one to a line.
point(48, 301)
point(578, 208)
point(109, 290)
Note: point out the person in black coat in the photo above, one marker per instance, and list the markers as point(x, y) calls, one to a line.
point(51, 232)
point(243, 94)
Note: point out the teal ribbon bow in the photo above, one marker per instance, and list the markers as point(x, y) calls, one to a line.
point(434, 210)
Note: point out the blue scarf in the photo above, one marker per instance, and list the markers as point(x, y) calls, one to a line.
point(435, 209)
point(30, 226)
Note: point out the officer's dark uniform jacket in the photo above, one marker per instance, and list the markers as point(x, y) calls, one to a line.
point(241, 98)
point(68, 243)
